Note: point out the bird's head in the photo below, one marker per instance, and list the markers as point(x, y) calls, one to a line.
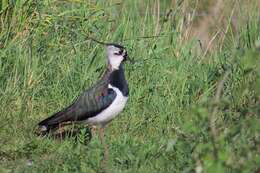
point(116, 55)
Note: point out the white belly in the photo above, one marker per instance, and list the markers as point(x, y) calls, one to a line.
point(111, 111)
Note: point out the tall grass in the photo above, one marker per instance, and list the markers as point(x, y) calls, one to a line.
point(188, 111)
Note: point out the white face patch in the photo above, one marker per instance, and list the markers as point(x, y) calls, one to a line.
point(115, 61)
point(114, 58)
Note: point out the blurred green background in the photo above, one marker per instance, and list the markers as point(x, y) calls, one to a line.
point(194, 86)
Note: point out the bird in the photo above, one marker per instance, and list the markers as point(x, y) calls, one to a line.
point(99, 104)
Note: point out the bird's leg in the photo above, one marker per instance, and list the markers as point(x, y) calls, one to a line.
point(102, 139)
point(93, 130)
point(60, 130)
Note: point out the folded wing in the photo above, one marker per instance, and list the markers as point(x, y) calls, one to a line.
point(88, 104)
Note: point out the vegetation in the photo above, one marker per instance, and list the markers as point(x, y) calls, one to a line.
point(194, 106)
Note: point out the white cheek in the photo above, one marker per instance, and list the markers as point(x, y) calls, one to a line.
point(115, 61)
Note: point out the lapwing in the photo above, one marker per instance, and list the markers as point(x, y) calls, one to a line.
point(99, 104)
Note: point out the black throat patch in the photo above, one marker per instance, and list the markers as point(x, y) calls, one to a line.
point(117, 79)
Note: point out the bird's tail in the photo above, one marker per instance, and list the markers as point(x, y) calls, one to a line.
point(54, 121)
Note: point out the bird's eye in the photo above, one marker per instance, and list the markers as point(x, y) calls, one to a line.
point(120, 52)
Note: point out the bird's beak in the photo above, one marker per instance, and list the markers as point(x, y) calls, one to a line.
point(125, 56)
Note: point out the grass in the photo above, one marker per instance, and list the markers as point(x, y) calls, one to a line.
point(189, 110)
